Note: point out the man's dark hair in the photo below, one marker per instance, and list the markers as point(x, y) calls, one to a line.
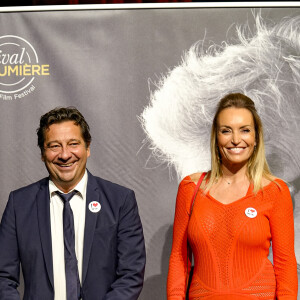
point(59, 115)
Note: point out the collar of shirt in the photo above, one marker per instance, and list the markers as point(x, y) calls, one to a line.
point(80, 187)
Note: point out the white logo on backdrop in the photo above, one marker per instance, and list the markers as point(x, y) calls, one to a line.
point(19, 66)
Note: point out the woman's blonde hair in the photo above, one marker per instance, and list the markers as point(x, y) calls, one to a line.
point(257, 166)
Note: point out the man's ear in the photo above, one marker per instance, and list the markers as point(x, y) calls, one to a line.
point(88, 149)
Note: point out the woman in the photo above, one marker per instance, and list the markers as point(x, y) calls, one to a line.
point(239, 208)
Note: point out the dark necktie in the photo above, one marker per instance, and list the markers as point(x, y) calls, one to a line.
point(71, 267)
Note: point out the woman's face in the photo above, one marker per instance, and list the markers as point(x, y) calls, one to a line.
point(235, 135)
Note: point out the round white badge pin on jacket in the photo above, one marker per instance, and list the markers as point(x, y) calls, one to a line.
point(251, 212)
point(94, 206)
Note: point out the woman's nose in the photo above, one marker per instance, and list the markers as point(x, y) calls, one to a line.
point(236, 138)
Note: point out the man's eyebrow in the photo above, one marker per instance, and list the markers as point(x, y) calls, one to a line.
point(70, 140)
point(55, 141)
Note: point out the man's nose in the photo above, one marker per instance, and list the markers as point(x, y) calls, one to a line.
point(65, 153)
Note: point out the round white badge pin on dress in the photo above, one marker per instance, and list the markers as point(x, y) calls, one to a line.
point(94, 206)
point(251, 212)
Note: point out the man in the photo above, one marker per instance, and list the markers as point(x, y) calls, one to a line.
point(89, 246)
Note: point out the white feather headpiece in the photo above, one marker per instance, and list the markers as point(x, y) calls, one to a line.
point(264, 66)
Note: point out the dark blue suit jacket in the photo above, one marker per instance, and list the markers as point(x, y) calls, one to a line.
point(113, 255)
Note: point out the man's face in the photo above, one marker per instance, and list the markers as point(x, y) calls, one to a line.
point(65, 154)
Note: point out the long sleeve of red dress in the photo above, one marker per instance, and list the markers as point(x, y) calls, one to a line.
point(230, 244)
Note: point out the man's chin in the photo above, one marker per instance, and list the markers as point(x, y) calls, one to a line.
point(64, 183)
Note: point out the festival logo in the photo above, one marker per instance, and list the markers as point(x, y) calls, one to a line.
point(19, 66)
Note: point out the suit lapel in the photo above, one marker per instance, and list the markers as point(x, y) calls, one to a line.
point(43, 206)
point(92, 194)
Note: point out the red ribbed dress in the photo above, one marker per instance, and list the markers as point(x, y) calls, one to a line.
point(230, 248)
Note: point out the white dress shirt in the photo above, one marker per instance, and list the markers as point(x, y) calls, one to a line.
point(78, 205)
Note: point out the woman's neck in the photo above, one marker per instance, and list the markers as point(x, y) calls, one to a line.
point(234, 173)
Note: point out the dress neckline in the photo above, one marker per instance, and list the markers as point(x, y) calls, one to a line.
point(248, 194)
